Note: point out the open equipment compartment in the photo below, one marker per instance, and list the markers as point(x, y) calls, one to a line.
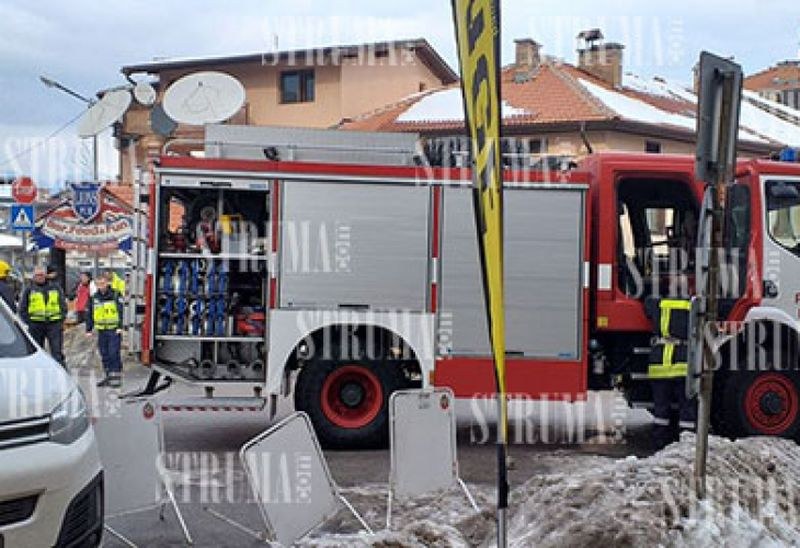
point(211, 278)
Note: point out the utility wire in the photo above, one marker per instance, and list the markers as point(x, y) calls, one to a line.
point(42, 142)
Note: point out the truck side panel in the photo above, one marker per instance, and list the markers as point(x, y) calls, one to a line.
point(546, 296)
point(543, 271)
point(354, 246)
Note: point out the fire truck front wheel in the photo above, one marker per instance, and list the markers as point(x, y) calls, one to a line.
point(761, 403)
point(348, 401)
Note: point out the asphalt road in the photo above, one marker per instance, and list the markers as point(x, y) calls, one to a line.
point(201, 452)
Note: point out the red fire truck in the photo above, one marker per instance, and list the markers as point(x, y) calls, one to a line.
point(341, 269)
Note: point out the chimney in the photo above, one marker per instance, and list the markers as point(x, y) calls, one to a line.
point(527, 58)
point(600, 59)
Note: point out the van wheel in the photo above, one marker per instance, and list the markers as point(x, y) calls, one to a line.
point(765, 403)
point(348, 401)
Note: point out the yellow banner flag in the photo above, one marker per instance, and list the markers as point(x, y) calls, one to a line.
point(478, 37)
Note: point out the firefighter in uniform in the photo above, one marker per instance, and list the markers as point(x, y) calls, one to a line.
point(668, 368)
point(105, 317)
point(43, 307)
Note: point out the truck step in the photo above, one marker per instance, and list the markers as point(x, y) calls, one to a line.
point(203, 404)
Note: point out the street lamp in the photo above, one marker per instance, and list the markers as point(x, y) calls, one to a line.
point(49, 82)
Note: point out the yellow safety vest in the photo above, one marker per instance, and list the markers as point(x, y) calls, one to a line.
point(105, 315)
point(664, 364)
point(118, 284)
point(40, 310)
point(668, 327)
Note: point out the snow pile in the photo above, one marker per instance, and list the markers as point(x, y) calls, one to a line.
point(753, 500)
point(82, 355)
point(447, 105)
point(753, 488)
point(80, 351)
point(439, 520)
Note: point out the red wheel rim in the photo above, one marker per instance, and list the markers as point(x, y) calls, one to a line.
point(771, 403)
point(351, 396)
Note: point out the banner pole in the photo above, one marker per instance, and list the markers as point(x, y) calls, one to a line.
point(477, 29)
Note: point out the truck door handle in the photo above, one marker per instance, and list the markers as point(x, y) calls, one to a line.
point(770, 289)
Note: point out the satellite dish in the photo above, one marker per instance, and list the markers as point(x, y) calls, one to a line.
point(104, 112)
point(160, 122)
point(204, 98)
point(144, 93)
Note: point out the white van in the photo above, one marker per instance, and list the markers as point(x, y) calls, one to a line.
point(51, 480)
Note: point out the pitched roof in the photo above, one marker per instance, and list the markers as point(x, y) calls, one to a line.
point(123, 193)
point(559, 94)
point(551, 95)
point(329, 55)
point(784, 75)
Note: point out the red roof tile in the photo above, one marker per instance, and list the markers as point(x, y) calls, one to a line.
point(551, 95)
point(784, 75)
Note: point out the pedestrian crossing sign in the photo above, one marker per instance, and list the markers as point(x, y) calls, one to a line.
point(22, 217)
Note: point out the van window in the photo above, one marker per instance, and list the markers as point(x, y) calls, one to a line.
point(13, 343)
point(783, 214)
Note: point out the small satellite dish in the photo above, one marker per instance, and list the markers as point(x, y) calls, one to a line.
point(204, 98)
point(104, 112)
point(160, 122)
point(144, 93)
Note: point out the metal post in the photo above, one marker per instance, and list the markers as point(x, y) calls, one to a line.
point(95, 168)
point(723, 178)
point(502, 471)
point(707, 374)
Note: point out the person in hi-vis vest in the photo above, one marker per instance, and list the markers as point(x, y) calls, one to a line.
point(117, 283)
point(43, 307)
point(668, 367)
point(105, 317)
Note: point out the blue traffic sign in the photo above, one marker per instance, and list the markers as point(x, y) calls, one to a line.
point(22, 218)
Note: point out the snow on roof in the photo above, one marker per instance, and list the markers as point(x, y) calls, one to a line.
point(762, 102)
point(634, 109)
point(769, 125)
point(658, 86)
point(756, 124)
point(447, 105)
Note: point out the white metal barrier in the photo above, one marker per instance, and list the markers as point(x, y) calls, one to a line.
point(131, 445)
point(422, 434)
point(291, 480)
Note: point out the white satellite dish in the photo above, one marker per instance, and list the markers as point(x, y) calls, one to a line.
point(104, 112)
point(204, 98)
point(144, 93)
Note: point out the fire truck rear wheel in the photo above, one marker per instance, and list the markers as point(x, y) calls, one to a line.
point(761, 403)
point(348, 401)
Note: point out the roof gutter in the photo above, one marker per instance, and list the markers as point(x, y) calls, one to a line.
point(622, 126)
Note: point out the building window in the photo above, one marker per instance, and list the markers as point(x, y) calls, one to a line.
point(297, 86)
point(536, 146)
point(652, 147)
